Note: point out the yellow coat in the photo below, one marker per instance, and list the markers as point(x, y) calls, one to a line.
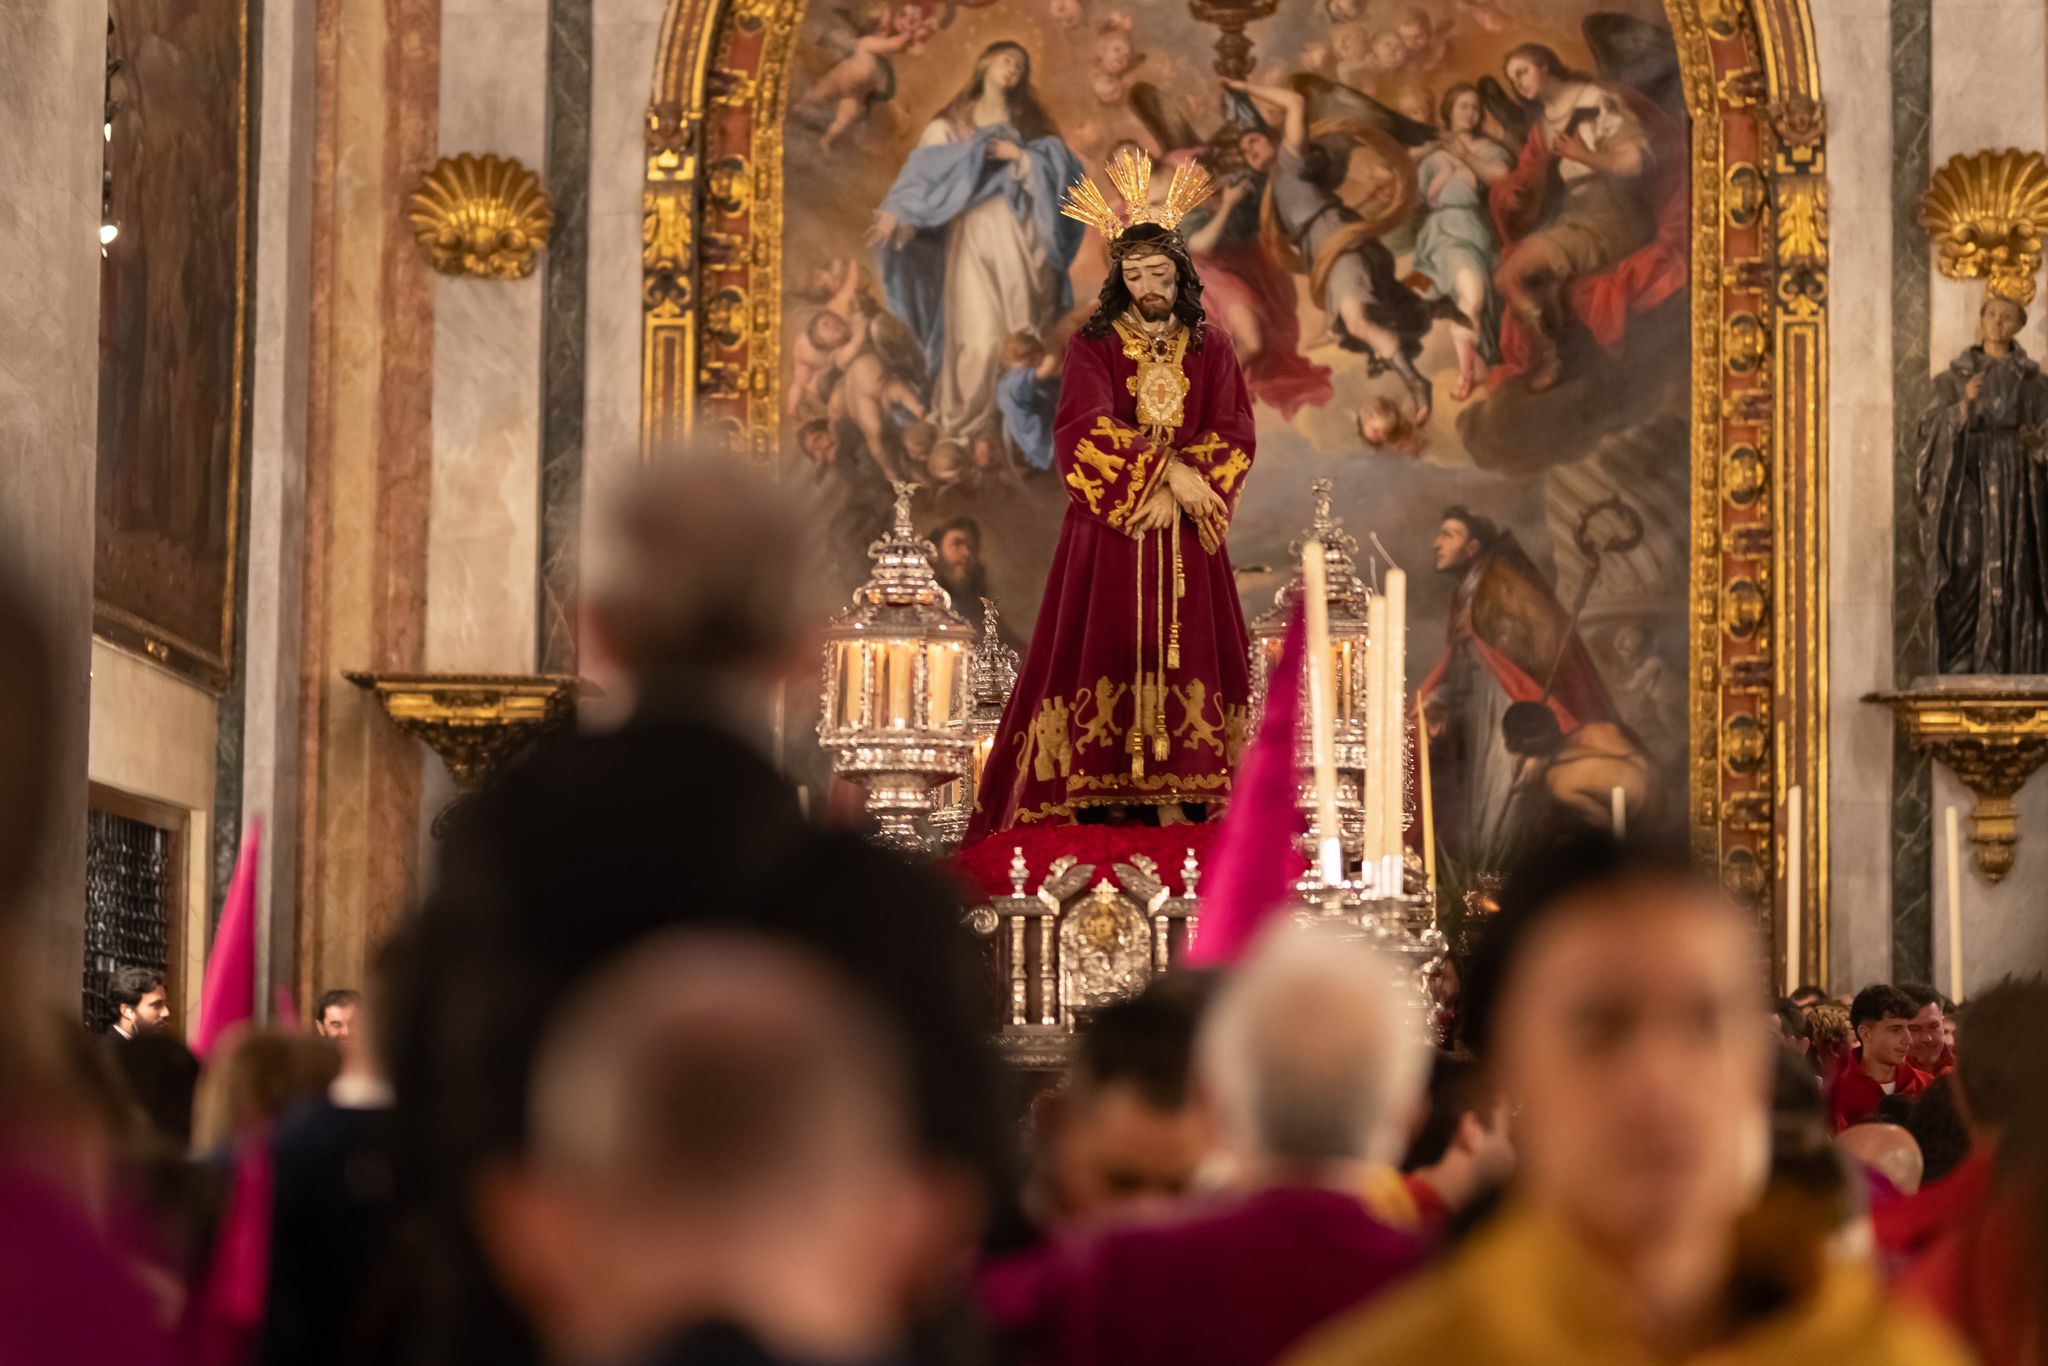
point(1524, 1292)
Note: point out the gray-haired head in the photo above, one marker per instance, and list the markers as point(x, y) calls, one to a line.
point(717, 1075)
point(703, 573)
point(1311, 1055)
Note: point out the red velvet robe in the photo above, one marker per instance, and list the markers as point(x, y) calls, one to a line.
point(1063, 741)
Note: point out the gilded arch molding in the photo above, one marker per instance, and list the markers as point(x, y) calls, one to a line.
point(712, 290)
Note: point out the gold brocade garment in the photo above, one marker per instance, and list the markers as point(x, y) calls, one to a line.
point(1136, 686)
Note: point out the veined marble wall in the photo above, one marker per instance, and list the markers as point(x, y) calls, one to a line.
point(483, 522)
point(1855, 36)
point(52, 63)
point(624, 36)
point(1988, 91)
point(1908, 83)
point(369, 471)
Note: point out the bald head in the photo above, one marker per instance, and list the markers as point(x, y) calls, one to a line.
point(718, 1132)
point(1309, 1054)
point(1886, 1149)
point(718, 1078)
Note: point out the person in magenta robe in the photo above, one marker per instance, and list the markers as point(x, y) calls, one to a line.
point(1135, 689)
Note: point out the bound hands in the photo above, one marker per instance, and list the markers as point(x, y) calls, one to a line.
point(1192, 491)
point(1182, 490)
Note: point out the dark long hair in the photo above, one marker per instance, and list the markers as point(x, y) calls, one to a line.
point(1027, 115)
point(1149, 239)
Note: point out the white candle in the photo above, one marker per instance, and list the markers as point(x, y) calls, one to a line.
point(1794, 870)
point(1424, 800)
point(1952, 829)
point(1375, 793)
point(1617, 813)
point(1395, 774)
point(1321, 700)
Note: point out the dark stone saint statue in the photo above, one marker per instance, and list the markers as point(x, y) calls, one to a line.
point(1983, 487)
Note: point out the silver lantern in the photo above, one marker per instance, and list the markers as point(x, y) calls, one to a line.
point(991, 676)
point(895, 704)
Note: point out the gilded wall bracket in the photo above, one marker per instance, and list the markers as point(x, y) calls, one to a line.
point(1992, 733)
point(474, 722)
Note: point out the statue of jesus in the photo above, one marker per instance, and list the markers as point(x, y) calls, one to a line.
point(1132, 699)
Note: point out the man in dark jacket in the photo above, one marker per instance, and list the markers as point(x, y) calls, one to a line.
point(675, 819)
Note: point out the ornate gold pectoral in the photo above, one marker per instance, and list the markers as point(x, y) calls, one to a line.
point(1161, 385)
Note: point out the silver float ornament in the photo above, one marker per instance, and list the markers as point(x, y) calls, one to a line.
point(894, 709)
point(991, 677)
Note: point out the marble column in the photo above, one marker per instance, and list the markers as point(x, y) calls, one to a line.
point(1853, 36)
point(273, 630)
point(483, 531)
point(624, 39)
point(52, 90)
point(368, 475)
point(482, 543)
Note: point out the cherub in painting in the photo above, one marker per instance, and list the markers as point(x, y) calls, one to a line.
point(1384, 427)
point(1116, 57)
point(865, 77)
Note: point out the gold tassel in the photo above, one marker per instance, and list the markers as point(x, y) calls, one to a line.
point(1180, 587)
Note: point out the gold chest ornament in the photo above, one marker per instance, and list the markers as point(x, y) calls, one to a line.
point(1160, 386)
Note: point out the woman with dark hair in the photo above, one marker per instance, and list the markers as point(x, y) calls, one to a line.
point(969, 241)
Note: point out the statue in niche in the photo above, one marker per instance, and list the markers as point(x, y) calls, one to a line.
point(1983, 488)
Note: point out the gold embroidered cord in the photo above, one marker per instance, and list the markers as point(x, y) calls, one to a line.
point(1180, 588)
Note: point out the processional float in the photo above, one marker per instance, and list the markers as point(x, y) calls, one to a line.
point(910, 701)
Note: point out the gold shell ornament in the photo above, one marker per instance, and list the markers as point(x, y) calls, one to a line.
point(483, 216)
point(1986, 212)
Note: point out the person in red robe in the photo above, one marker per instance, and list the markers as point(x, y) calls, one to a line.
point(1508, 642)
point(1593, 215)
point(1136, 687)
point(1881, 1017)
point(1974, 1239)
point(1254, 299)
point(1932, 1053)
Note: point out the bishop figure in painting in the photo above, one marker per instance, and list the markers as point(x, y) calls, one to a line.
point(1135, 689)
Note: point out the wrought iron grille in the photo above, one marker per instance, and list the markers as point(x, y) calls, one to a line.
point(128, 901)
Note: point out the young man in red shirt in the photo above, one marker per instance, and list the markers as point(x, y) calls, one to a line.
point(1931, 1052)
point(1882, 1018)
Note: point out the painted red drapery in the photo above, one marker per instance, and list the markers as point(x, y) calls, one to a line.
point(1646, 277)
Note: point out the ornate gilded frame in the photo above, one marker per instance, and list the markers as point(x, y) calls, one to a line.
point(210, 663)
point(712, 293)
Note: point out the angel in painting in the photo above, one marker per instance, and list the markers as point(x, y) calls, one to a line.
point(1116, 57)
point(1593, 213)
point(864, 77)
point(1456, 246)
point(1339, 177)
point(1244, 288)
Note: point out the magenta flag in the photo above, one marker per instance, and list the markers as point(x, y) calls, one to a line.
point(228, 995)
point(1255, 857)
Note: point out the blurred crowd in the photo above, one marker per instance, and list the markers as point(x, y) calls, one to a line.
point(663, 1072)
